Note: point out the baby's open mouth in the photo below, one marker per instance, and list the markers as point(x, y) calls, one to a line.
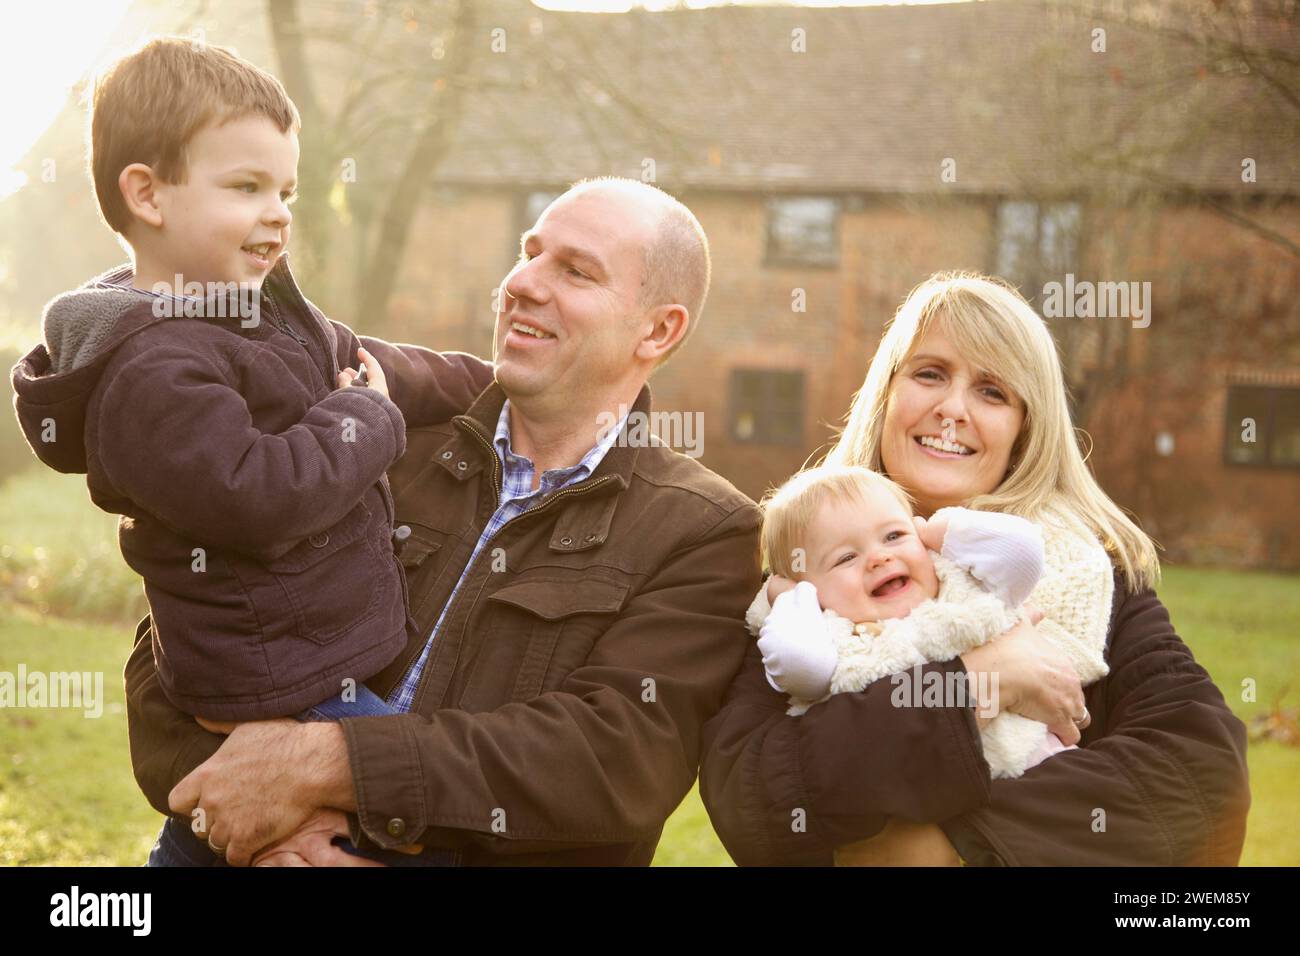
point(891, 586)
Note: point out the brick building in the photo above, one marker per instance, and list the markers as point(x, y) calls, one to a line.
point(902, 141)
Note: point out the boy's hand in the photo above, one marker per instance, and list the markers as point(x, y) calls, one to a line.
point(374, 374)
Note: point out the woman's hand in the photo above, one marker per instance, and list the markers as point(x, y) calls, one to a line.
point(1026, 673)
point(901, 843)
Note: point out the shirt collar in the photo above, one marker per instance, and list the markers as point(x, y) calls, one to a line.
point(512, 462)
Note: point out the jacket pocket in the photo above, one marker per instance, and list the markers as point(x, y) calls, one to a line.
point(424, 558)
point(536, 623)
point(331, 581)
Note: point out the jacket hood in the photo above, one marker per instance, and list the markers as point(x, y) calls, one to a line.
point(54, 381)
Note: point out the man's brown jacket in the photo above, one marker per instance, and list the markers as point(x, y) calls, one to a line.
point(559, 716)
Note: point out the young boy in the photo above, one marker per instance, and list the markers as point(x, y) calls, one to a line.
point(897, 591)
point(222, 425)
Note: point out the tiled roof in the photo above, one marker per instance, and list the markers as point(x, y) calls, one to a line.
point(1009, 90)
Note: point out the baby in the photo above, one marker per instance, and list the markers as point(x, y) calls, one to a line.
point(897, 592)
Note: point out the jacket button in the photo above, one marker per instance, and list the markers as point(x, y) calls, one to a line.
point(566, 541)
point(591, 537)
point(461, 465)
point(319, 540)
point(396, 827)
point(446, 456)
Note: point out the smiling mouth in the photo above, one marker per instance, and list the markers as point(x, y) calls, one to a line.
point(523, 328)
point(262, 252)
point(943, 446)
point(891, 586)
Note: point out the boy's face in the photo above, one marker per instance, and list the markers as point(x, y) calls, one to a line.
point(866, 559)
point(229, 220)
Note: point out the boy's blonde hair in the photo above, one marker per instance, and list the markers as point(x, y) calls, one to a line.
point(997, 331)
point(149, 104)
point(788, 511)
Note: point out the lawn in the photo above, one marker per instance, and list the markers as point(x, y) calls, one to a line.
point(66, 791)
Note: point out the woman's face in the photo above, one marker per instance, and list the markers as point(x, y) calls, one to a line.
point(933, 384)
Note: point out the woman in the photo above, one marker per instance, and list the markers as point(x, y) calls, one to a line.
point(1160, 773)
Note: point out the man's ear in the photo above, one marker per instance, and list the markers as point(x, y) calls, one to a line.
point(668, 325)
point(138, 184)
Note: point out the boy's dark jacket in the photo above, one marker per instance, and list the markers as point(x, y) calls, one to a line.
point(252, 489)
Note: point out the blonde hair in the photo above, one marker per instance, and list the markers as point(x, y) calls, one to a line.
point(999, 332)
point(149, 104)
point(788, 510)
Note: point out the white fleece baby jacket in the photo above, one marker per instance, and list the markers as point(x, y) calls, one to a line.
point(984, 577)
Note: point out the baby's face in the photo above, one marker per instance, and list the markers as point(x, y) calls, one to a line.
point(866, 560)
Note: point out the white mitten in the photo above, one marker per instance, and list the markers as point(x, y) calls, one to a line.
point(798, 653)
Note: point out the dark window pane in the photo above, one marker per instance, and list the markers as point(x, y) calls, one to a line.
point(1246, 427)
point(767, 407)
point(1285, 440)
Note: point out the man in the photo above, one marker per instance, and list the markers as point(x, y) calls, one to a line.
point(578, 602)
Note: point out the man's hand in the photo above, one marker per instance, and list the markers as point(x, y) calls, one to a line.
point(265, 781)
point(311, 844)
point(901, 843)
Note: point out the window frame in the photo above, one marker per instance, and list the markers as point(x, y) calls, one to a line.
point(773, 258)
point(761, 437)
point(1266, 427)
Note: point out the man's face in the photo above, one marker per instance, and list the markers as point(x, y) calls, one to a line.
point(229, 220)
point(866, 560)
point(570, 314)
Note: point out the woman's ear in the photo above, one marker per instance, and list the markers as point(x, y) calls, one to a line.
point(138, 184)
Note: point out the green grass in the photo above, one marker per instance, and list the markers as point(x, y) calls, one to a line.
point(66, 791)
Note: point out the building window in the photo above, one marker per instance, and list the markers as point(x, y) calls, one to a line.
point(1037, 243)
point(803, 231)
point(1262, 426)
point(767, 407)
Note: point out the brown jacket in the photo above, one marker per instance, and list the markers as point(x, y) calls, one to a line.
point(559, 715)
point(1164, 759)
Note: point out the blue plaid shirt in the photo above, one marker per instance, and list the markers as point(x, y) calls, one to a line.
point(517, 496)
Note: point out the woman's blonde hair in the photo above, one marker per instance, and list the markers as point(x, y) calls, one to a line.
point(788, 511)
point(997, 331)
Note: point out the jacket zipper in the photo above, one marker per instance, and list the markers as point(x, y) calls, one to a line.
point(496, 486)
point(282, 326)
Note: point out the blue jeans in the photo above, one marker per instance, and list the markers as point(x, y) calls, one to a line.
point(178, 845)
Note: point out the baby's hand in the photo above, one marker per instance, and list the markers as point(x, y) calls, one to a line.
point(932, 532)
point(776, 586)
point(797, 649)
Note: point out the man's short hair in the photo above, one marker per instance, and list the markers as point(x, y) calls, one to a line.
point(149, 104)
point(678, 267)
